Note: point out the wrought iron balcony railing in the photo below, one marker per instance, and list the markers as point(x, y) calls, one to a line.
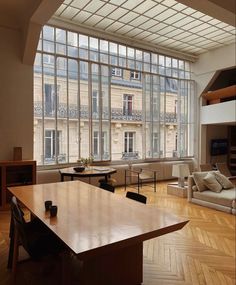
point(72, 112)
point(130, 155)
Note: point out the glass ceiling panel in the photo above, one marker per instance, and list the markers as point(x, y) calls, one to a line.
point(82, 16)
point(105, 10)
point(132, 4)
point(165, 23)
point(94, 6)
point(183, 21)
point(117, 2)
point(129, 17)
point(79, 4)
point(146, 5)
point(169, 3)
point(179, 7)
point(125, 29)
point(104, 23)
point(118, 13)
point(143, 34)
point(93, 20)
point(139, 21)
point(69, 12)
point(115, 26)
point(148, 24)
point(134, 32)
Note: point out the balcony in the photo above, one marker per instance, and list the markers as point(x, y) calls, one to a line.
point(130, 155)
point(116, 114)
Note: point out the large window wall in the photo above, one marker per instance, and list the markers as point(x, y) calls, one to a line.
point(98, 98)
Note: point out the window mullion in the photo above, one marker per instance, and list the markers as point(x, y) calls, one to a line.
point(90, 120)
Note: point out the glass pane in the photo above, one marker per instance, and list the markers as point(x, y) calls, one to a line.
point(60, 36)
point(48, 33)
point(84, 110)
point(73, 108)
point(62, 109)
point(72, 39)
point(38, 110)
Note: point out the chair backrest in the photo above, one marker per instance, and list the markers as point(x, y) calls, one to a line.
point(19, 221)
point(223, 168)
point(107, 187)
point(205, 167)
point(136, 197)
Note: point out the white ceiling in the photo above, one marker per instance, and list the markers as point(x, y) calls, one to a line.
point(162, 23)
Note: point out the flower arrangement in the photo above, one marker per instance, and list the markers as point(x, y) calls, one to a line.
point(86, 161)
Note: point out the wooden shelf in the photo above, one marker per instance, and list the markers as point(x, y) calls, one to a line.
point(15, 173)
point(216, 96)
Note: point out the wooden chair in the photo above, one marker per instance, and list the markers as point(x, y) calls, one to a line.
point(206, 167)
point(37, 240)
point(137, 197)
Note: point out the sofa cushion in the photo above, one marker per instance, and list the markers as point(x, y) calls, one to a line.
point(224, 181)
point(224, 198)
point(211, 183)
point(198, 179)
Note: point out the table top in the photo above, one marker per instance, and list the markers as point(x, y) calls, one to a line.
point(91, 171)
point(91, 220)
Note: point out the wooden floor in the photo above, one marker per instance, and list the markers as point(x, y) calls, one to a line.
point(203, 252)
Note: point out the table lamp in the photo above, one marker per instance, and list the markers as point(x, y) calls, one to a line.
point(181, 171)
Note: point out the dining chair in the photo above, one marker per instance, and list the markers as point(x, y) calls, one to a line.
point(148, 175)
point(108, 187)
point(36, 239)
point(137, 197)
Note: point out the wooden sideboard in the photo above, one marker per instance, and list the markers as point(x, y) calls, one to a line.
point(14, 173)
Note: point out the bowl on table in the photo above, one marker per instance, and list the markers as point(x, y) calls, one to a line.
point(79, 168)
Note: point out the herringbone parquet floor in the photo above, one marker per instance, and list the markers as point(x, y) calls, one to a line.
point(203, 252)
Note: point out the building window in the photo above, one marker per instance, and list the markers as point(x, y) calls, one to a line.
point(129, 142)
point(135, 75)
point(96, 145)
point(127, 105)
point(52, 144)
point(95, 102)
point(50, 99)
point(155, 144)
point(116, 72)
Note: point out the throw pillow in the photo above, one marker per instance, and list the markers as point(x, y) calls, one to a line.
point(224, 181)
point(194, 188)
point(198, 179)
point(211, 183)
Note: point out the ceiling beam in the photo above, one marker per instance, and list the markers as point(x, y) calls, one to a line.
point(33, 25)
point(224, 11)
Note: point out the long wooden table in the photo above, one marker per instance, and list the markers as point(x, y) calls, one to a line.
point(106, 231)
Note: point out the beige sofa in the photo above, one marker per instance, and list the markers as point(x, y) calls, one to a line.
point(223, 201)
point(163, 168)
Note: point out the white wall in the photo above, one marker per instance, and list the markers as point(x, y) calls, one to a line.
point(16, 97)
point(203, 71)
point(218, 113)
point(208, 63)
